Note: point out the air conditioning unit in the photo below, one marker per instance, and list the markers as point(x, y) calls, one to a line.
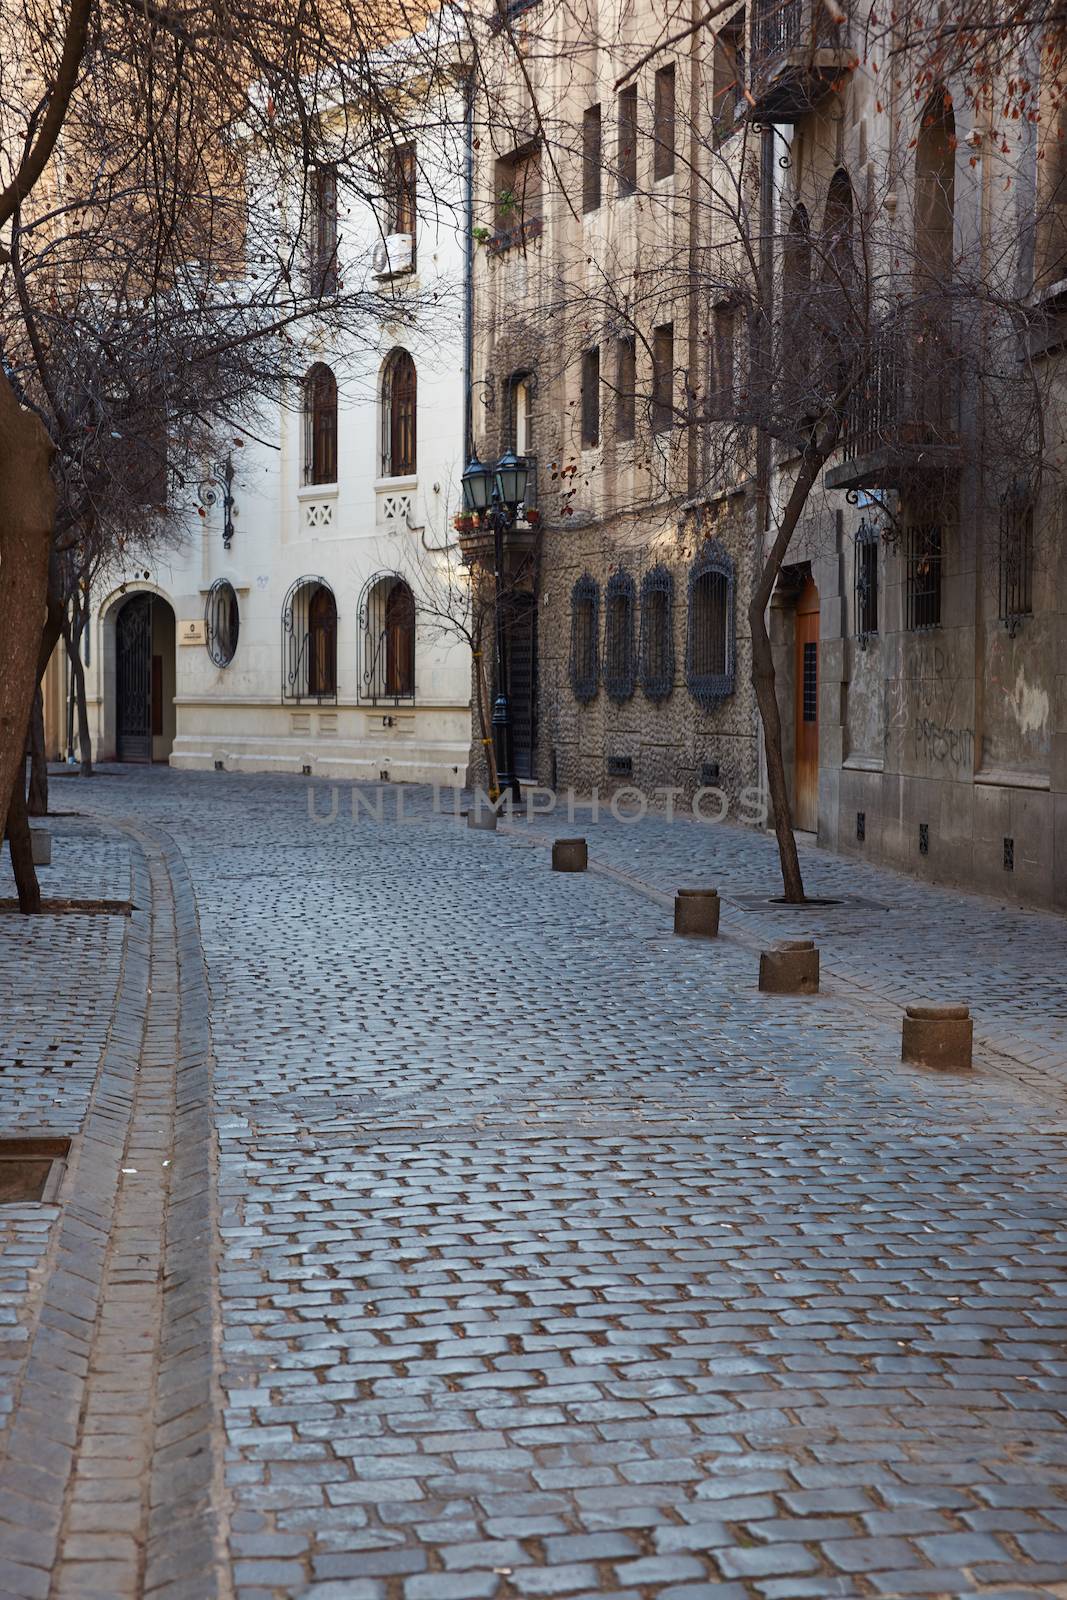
point(392, 255)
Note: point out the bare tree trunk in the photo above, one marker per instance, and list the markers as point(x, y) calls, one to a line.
point(20, 845)
point(816, 454)
point(72, 634)
point(27, 512)
point(37, 800)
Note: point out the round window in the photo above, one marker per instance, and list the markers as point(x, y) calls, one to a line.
point(223, 621)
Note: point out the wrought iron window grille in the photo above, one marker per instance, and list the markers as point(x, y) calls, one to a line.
point(710, 644)
point(585, 639)
point(620, 664)
point(222, 622)
point(922, 589)
point(865, 578)
point(1015, 565)
point(387, 632)
point(309, 642)
point(656, 652)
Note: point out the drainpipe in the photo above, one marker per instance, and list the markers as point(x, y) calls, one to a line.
point(468, 281)
point(767, 196)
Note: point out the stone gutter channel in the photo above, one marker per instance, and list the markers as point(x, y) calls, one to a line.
point(109, 1481)
point(999, 1054)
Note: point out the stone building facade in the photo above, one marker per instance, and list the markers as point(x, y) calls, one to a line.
point(915, 623)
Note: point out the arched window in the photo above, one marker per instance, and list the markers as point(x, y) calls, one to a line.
point(222, 622)
point(796, 297)
point(399, 395)
point(387, 625)
point(309, 641)
point(585, 638)
point(709, 644)
point(935, 189)
point(320, 425)
point(657, 634)
point(620, 666)
point(835, 316)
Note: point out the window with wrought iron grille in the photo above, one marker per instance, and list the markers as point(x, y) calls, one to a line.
point(387, 630)
point(309, 641)
point(657, 634)
point(590, 398)
point(922, 579)
point(620, 664)
point(1016, 559)
point(320, 425)
point(399, 402)
point(709, 644)
point(865, 582)
point(585, 638)
point(222, 620)
point(322, 254)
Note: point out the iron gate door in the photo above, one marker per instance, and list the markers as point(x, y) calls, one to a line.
point(133, 674)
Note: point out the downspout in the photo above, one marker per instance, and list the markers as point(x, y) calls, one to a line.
point(468, 283)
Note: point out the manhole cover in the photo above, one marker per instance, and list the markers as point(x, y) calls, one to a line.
point(31, 1169)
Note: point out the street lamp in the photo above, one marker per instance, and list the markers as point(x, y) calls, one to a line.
point(496, 493)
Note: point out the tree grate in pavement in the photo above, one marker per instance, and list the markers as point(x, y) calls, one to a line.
point(31, 1170)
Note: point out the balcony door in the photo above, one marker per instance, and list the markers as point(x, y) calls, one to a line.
point(806, 741)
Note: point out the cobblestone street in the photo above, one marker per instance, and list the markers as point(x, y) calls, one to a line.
point(513, 1247)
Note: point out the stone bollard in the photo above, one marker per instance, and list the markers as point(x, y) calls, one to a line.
point(482, 818)
point(937, 1036)
point(791, 967)
point(570, 855)
point(696, 913)
point(41, 846)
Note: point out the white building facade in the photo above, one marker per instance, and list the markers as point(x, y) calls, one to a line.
point(286, 632)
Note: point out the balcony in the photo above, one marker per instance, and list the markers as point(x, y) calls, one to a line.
point(798, 49)
point(902, 418)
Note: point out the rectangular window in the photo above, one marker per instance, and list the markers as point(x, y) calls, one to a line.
point(723, 346)
point(402, 190)
point(322, 200)
point(1016, 561)
point(663, 160)
point(662, 377)
point(923, 577)
point(591, 398)
point(592, 158)
point(866, 573)
point(518, 193)
point(627, 132)
point(625, 387)
point(728, 76)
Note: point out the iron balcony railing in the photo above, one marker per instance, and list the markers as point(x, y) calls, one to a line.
point(908, 398)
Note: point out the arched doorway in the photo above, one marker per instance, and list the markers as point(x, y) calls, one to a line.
point(806, 740)
point(145, 718)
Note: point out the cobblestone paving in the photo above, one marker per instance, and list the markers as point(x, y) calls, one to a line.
point(557, 1261)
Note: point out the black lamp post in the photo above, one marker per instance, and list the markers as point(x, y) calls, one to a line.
point(496, 493)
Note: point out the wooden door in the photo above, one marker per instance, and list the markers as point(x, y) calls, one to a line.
point(806, 744)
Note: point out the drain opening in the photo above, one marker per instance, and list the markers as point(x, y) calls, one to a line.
point(31, 1170)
